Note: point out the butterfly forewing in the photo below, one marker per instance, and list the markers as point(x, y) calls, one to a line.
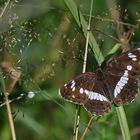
point(121, 74)
point(128, 59)
point(75, 90)
point(86, 89)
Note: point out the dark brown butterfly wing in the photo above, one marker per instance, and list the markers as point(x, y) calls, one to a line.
point(89, 91)
point(122, 75)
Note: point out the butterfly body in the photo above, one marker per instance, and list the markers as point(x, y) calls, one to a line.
point(115, 83)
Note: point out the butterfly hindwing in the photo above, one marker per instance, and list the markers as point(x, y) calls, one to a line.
point(128, 93)
point(97, 107)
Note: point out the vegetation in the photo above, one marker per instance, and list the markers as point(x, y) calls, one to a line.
point(42, 46)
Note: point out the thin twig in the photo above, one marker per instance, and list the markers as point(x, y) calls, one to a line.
point(12, 100)
point(6, 4)
point(114, 21)
point(77, 117)
point(112, 37)
point(87, 128)
point(15, 75)
point(8, 106)
point(131, 33)
point(10, 117)
point(77, 122)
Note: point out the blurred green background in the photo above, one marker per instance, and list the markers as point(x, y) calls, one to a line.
point(43, 40)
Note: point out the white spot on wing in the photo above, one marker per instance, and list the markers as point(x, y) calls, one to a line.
point(129, 67)
point(73, 89)
point(118, 89)
point(73, 96)
point(73, 84)
point(92, 96)
point(100, 97)
point(104, 98)
point(120, 84)
point(81, 90)
point(115, 93)
point(132, 56)
point(123, 78)
point(72, 81)
point(87, 92)
point(97, 97)
point(134, 59)
point(126, 73)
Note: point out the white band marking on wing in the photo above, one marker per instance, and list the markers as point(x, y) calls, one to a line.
point(123, 80)
point(96, 96)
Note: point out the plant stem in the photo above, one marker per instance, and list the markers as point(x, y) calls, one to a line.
point(77, 122)
point(77, 117)
point(6, 4)
point(123, 123)
point(8, 106)
point(87, 128)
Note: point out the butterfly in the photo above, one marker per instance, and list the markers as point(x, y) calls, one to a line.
point(116, 83)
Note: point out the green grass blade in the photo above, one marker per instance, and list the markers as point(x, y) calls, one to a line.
point(81, 22)
point(115, 48)
point(2, 82)
point(123, 123)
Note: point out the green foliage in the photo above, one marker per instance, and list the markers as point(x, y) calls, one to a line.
point(45, 41)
